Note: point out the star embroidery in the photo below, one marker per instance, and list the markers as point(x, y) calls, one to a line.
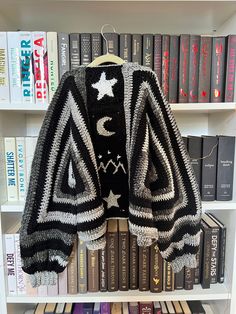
point(112, 199)
point(99, 156)
point(104, 86)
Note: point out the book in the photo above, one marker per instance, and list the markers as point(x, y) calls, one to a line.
point(96, 309)
point(218, 69)
point(196, 307)
point(82, 267)
point(198, 269)
point(88, 308)
point(105, 308)
point(188, 278)
point(125, 47)
point(125, 308)
point(145, 308)
point(157, 307)
point(204, 90)
point(168, 277)
point(173, 69)
point(163, 308)
point(137, 48)
point(207, 308)
point(50, 308)
point(230, 68)
point(42, 290)
point(27, 77)
point(40, 66)
point(156, 269)
point(72, 269)
point(170, 307)
point(11, 168)
point(225, 168)
point(86, 48)
point(112, 45)
point(183, 68)
point(14, 69)
point(74, 50)
point(123, 255)
point(53, 66)
point(93, 271)
point(194, 53)
point(68, 308)
point(133, 262)
point(21, 167)
point(60, 308)
point(103, 268)
point(30, 144)
point(96, 42)
point(40, 308)
point(112, 255)
point(52, 290)
point(185, 307)
point(157, 56)
point(20, 275)
point(133, 308)
point(116, 308)
point(78, 308)
point(4, 80)
point(165, 65)
point(148, 50)
point(209, 164)
point(144, 268)
point(177, 307)
point(62, 282)
point(179, 280)
point(63, 53)
point(195, 154)
point(206, 256)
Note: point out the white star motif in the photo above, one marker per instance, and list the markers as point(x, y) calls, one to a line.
point(99, 156)
point(112, 199)
point(118, 156)
point(104, 86)
point(108, 152)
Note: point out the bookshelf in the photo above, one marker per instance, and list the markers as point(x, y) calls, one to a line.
point(201, 17)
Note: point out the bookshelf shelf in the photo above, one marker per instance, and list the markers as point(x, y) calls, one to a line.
point(217, 292)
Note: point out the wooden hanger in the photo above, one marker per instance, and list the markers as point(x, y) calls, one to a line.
point(108, 57)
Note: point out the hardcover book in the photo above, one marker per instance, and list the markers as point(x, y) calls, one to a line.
point(20, 277)
point(185, 307)
point(184, 68)
point(174, 69)
point(11, 169)
point(40, 308)
point(93, 271)
point(157, 62)
point(86, 48)
point(112, 43)
point(194, 52)
point(145, 308)
point(125, 47)
point(170, 307)
point(168, 277)
point(63, 53)
point(179, 280)
point(4, 81)
point(206, 257)
point(96, 42)
point(62, 282)
point(125, 308)
point(82, 267)
point(123, 255)
point(177, 306)
point(87, 308)
point(156, 269)
point(198, 269)
point(165, 64)
point(133, 263)
point(188, 278)
point(96, 309)
point(116, 308)
point(72, 270)
point(112, 255)
point(137, 48)
point(230, 68)
point(74, 50)
point(148, 50)
point(144, 268)
point(157, 307)
point(163, 307)
point(21, 167)
point(105, 308)
point(196, 307)
point(103, 268)
point(50, 308)
point(195, 154)
point(133, 307)
point(53, 67)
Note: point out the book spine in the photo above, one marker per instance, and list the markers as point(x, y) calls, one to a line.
point(222, 245)
point(137, 48)
point(214, 254)
point(74, 51)
point(184, 68)
point(144, 268)
point(179, 280)
point(206, 259)
point(93, 271)
point(194, 52)
point(11, 263)
point(112, 43)
point(11, 169)
point(105, 308)
point(14, 66)
point(52, 290)
point(112, 261)
point(157, 54)
point(30, 291)
point(148, 50)
point(225, 168)
point(53, 74)
point(62, 282)
point(30, 143)
point(198, 269)
point(156, 269)
point(40, 62)
point(173, 69)
point(230, 68)
point(195, 154)
point(123, 261)
point(96, 41)
point(42, 291)
point(133, 278)
point(82, 265)
point(204, 89)
point(125, 47)
point(27, 78)
point(218, 69)
point(21, 169)
point(86, 48)
point(188, 278)
point(63, 53)
point(103, 269)
point(72, 269)
point(146, 308)
point(209, 152)
point(169, 283)
point(133, 308)
point(165, 64)
point(4, 81)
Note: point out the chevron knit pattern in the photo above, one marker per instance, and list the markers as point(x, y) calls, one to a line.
point(109, 147)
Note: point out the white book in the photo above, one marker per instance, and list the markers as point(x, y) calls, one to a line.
point(53, 289)
point(53, 75)
point(62, 282)
point(125, 308)
point(60, 308)
point(21, 168)
point(4, 81)
point(40, 67)
point(14, 67)
point(42, 291)
point(170, 307)
point(11, 168)
point(27, 77)
point(29, 289)
point(207, 308)
point(20, 278)
point(30, 144)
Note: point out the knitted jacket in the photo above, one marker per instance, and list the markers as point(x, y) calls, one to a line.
point(108, 126)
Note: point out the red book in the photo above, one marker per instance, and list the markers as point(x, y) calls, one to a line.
point(184, 68)
point(165, 64)
point(230, 68)
point(145, 308)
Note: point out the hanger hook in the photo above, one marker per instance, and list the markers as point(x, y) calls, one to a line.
point(104, 35)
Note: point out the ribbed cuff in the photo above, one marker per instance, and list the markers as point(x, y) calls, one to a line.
point(97, 244)
point(188, 260)
point(145, 235)
point(44, 278)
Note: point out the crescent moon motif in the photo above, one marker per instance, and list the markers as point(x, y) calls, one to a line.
point(101, 127)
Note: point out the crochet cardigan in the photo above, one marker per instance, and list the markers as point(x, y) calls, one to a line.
point(65, 196)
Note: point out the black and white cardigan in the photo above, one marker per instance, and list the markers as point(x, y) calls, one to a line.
point(155, 187)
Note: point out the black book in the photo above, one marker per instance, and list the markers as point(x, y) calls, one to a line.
point(183, 68)
point(209, 164)
point(195, 154)
point(112, 43)
point(144, 268)
point(157, 62)
point(218, 69)
point(188, 278)
point(198, 269)
point(133, 262)
point(173, 69)
point(230, 68)
point(86, 48)
point(74, 50)
point(63, 53)
point(206, 256)
point(225, 168)
point(196, 307)
point(179, 280)
point(148, 50)
point(137, 48)
point(125, 47)
point(96, 41)
point(165, 64)
point(194, 53)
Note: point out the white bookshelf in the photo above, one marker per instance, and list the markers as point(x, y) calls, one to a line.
point(170, 17)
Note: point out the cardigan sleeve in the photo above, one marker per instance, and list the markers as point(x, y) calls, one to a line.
point(61, 198)
point(176, 202)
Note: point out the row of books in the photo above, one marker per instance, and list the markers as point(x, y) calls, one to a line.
point(190, 68)
point(124, 266)
point(212, 158)
point(168, 307)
